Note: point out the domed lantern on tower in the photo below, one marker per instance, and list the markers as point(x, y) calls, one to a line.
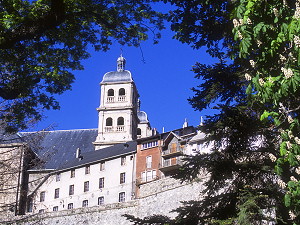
point(121, 61)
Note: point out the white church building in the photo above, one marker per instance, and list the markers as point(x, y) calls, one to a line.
point(90, 167)
point(99, 171)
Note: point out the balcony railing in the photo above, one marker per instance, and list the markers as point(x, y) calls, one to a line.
point(170, 164)
point(122, 98)
point(110, 129)
point(172, 151)
point(120, 128)
point(112, 99)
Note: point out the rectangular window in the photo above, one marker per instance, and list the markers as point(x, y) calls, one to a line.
point(102, 166)
point(122, 197)
point(154, 174)
point(29, 205)
point(56, 193)
point(87, 170)
point(70, 206)
point(41, 210)
point(72, 173)
point(101, 200)
point(57, 177)
point(55, 208)
point(71, 189)
point(149, 162)
point(122, 178)
point(101, 182)
point(149, 175)
point(86, 186)
point(42, 196)
point(123, 160)
point(144, 179)
point(85, 203)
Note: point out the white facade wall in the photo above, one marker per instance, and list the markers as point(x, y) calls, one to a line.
point(130, 95)
point(197, 145)
point(116, 136)
point(146, 131)
point(110, 192)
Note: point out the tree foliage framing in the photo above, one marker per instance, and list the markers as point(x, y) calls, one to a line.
point(43, 41)
point(243, 187)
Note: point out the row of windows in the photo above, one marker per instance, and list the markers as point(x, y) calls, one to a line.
point(148, 175)
point(85, 203)
point(150, 144)
point(88, 170)
point(109, 121)
point(86, 187)
point(111, 92)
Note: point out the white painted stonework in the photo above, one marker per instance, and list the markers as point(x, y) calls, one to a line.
point(110, 192)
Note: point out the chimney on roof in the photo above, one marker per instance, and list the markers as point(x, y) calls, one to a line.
point(185, 124)
point(201, 121)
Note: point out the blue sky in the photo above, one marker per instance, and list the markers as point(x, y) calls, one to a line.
point(163, 81)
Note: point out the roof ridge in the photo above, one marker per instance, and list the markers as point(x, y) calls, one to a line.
point(56, 130)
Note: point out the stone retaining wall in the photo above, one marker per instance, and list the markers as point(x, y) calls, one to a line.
point(158, 197)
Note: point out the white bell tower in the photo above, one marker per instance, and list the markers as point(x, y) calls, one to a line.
point(118, 108)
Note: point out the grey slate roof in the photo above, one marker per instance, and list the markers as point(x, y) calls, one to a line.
point(102, 154)
point(9, 138)
point(198, 137)
point(58, 148)
point(117, 76)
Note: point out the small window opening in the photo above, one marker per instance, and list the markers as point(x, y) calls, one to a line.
point(110, 92)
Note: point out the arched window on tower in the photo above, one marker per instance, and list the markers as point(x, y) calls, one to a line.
point(108, 125)
point(139, 132)
point(120, 124)
point(120, 121)
point(110, 95)
point(110, 92)
point(121, 97)
point(121, 91)
point(109, 122)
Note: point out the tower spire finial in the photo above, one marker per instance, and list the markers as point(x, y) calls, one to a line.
point(121, 61)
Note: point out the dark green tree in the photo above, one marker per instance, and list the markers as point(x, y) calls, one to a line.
point(242, 187)
point(43, 41)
